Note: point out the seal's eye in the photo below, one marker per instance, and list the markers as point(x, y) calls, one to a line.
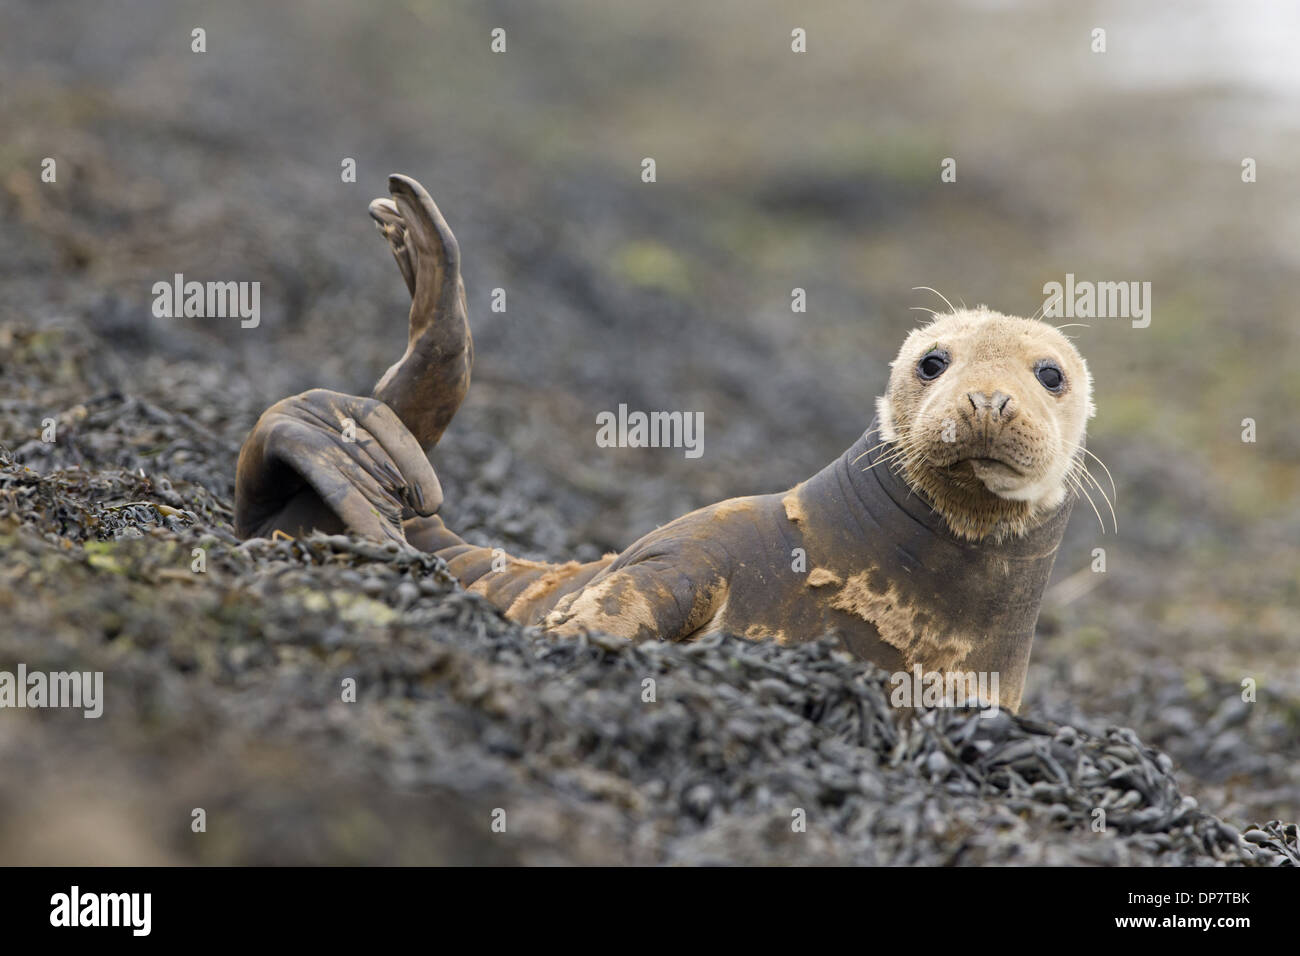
point(1051, 376)
point(932, 364)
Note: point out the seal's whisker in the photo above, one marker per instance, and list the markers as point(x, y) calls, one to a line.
point(1114, 492)
point(1042, 309)
point(926, 288)
point(921, 462)
point(868, 452)
point(1085, 473)
point(898, 453)
point(1078, 486)
point(1079, 473)
point(1104, 468)
point(885, 459)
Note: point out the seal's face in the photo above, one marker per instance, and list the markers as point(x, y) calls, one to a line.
point(987, 413)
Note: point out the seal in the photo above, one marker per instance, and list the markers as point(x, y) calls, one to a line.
point(927, 543)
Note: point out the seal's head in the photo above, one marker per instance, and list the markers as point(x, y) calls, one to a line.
point(986, 415)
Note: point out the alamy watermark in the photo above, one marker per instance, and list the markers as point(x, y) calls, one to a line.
point(922, 688)
point(1098, 300)
point(75, 908)
point(208, 300)
point(626, 429)
point(35, 689)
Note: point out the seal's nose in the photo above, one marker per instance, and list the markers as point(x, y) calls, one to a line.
point(999, 406)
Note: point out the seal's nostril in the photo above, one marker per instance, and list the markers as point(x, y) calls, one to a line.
point(1005, 405)
point(983, 403)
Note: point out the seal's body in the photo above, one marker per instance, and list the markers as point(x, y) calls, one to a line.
point(851, 550)
point(927, 543)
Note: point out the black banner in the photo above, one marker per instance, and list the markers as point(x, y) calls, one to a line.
point(335, 905)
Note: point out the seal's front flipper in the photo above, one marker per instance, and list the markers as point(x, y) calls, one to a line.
point(426, 386)
point(655, 599)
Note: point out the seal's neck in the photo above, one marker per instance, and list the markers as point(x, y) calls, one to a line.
point(932, 597)
point(967, 515)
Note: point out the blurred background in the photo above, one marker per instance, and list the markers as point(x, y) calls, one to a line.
point(775, 170)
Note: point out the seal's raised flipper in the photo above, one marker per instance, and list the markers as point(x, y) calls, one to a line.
point(331, 461)
point(426, 386)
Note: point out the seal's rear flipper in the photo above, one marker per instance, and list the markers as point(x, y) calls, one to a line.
point(389, 221)
point(426, 386)
point(438, 287)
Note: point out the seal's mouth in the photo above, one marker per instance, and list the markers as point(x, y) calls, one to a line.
point(1000, 477)
point(994, 465)
point(984, 466)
